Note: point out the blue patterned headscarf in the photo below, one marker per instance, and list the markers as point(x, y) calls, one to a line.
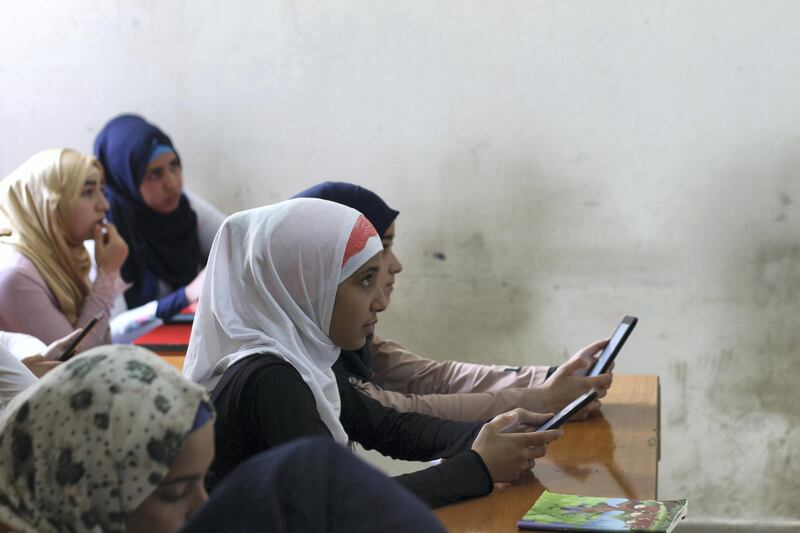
point(165, 245)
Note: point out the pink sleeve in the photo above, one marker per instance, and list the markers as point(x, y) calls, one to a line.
point(467, 406)
point(397, 369)
point(100, 299)
point(28, 306)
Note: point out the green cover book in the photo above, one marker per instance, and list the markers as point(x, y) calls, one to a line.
point(567, 512)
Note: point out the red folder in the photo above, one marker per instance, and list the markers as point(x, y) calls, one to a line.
point(169, 339)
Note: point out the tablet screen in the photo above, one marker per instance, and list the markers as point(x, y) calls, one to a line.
point(612, 348)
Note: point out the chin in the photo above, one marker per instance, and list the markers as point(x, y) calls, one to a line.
point(168, 210)
point(88, 236)
point(355, 345)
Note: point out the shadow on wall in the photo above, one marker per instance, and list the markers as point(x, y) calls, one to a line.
point(757, 374)
point(473, 265)
point(752, 379)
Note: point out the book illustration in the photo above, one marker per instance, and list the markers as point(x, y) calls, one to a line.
point(566, 512)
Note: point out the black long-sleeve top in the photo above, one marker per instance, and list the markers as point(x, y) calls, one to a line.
point(262, 401)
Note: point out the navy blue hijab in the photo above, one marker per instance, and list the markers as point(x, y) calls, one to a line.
point(362, 200)
point(161, 246)
point(357, 362)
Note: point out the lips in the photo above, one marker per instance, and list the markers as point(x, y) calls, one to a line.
point(370, 327)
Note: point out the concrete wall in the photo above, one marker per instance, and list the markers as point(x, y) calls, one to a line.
point(558, 164)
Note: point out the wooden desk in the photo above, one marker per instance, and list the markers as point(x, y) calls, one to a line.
point(612, 454)
point(174, 360)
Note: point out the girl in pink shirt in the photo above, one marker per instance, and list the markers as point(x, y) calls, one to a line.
point(48, 207)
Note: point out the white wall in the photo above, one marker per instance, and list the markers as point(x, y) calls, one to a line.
point(573, 162)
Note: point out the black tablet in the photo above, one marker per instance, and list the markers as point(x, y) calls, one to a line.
point(614, 345)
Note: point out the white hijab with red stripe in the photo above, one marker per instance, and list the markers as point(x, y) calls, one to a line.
point(270, 288)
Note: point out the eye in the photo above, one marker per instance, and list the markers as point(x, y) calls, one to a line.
point(367, 280)
point(88, 192)
point(154, 175)
point(174, 492)
point(174, 165)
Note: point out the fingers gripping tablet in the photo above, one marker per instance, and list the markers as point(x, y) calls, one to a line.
point(557, 420)
point(614, 345)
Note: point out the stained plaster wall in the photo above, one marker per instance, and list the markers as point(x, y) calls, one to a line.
point(557, 164)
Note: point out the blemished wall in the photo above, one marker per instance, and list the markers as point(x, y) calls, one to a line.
point(557, 165)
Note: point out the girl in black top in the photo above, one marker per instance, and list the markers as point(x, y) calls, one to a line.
point(289, 285)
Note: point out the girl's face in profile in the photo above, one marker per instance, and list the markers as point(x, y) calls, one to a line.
point(391, 265)
point(162, 184)
point(359, 299)
point(90, 208)
point(181, 492)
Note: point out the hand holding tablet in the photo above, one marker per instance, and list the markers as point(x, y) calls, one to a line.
point(558, 419)
point(614, 345)
point(601, 365)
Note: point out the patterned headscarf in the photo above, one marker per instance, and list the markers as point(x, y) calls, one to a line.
point(36, 203)
point(87, 445)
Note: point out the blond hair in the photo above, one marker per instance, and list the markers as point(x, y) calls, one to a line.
point(36, 206)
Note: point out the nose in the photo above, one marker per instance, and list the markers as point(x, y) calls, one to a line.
point(395, 266)
point(172, 181)
point(103, 204)
point(380, 302)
